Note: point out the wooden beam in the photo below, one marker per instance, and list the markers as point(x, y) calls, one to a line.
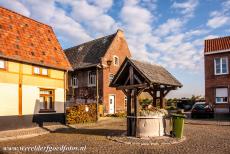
point(136, 78)
point(144, 85)
point(131, 79)
point(20, 91)
point(166, 92)
point(126, 82)
point(125, 92)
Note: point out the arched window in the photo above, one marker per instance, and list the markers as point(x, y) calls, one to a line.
point(116, 60)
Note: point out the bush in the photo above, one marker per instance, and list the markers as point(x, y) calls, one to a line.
point(170, 108)
point(145, 102)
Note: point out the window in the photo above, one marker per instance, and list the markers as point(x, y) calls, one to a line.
point(91, 78)
point(221, 95)
point(44, 71)
point(46, 100)
point(2, 64)
point(40, 71)
point(116, 60)
point(111, 76)
point(36, 70)
point(125, 101)
point(74, 81)
point(221, 66)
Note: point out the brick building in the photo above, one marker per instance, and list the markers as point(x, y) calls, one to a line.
point(95, 63)
point(217, 77)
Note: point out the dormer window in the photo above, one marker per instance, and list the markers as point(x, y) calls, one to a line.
point(221, 66)
point(74, 82)
point(116, 60)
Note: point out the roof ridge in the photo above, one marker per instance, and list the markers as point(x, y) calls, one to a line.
point(90, 41)
point(25, 16)
point(221, 37)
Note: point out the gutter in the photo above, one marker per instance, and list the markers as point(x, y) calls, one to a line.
point(217, 51)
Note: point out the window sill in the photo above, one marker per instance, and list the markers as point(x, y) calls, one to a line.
point(222, 74)
point(91, 85)
point(46, 111)
point(221, 103)
point(41, 75)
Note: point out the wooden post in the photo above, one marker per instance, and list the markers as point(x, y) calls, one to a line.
point(161, 99)
point(129, 130)
point(136, 113)
point(154, 103)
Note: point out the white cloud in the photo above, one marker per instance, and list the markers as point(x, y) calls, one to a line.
point(187, 8)
point(15, 6)
point(221, 17)
point(218, 21)
point(170, 26)
point(93, 15)
point(129, 16)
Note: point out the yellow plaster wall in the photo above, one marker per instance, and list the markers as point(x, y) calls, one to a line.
point(9, 80)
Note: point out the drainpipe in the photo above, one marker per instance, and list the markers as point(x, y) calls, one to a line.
point(65, 92)
point(97, 93)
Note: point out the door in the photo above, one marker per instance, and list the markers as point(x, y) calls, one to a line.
point(111, 104)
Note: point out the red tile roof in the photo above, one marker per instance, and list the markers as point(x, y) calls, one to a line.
point(27, 40)
point(217, 44)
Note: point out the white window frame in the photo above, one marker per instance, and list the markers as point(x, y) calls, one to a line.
point(74, 82)
point(114, 61)
point(221, 69)
point(3, 64)
point(38, 69)
point(44, 73)
point(125, 101)
point(110, 77)
point(93, 77)
point(221, 97)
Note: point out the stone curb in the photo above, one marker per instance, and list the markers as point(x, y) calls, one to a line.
point(208, 123)
point(22, 136)
point(153, 143)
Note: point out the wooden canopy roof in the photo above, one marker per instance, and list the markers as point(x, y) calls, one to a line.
point(144, 74)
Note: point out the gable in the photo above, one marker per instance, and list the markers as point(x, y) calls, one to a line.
point(89, 54)
point(143, 73)
point(26, 40)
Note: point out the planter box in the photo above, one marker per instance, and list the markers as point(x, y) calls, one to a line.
point(150, 126)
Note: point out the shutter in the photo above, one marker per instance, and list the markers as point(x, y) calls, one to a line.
point(221, 92)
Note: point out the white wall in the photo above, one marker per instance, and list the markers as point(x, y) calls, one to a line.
point(30, 100)
point(8, 99)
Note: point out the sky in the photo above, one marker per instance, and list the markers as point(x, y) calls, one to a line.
point(170, 33)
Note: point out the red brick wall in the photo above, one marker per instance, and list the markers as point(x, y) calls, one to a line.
point(212, 81)
point(119, 48)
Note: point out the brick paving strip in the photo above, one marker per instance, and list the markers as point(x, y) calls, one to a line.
point(162, 140)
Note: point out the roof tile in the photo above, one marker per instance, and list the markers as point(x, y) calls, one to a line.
point(217, 44)
point(20, 36)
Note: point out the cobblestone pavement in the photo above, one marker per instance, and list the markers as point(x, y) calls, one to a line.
point(200, 139)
